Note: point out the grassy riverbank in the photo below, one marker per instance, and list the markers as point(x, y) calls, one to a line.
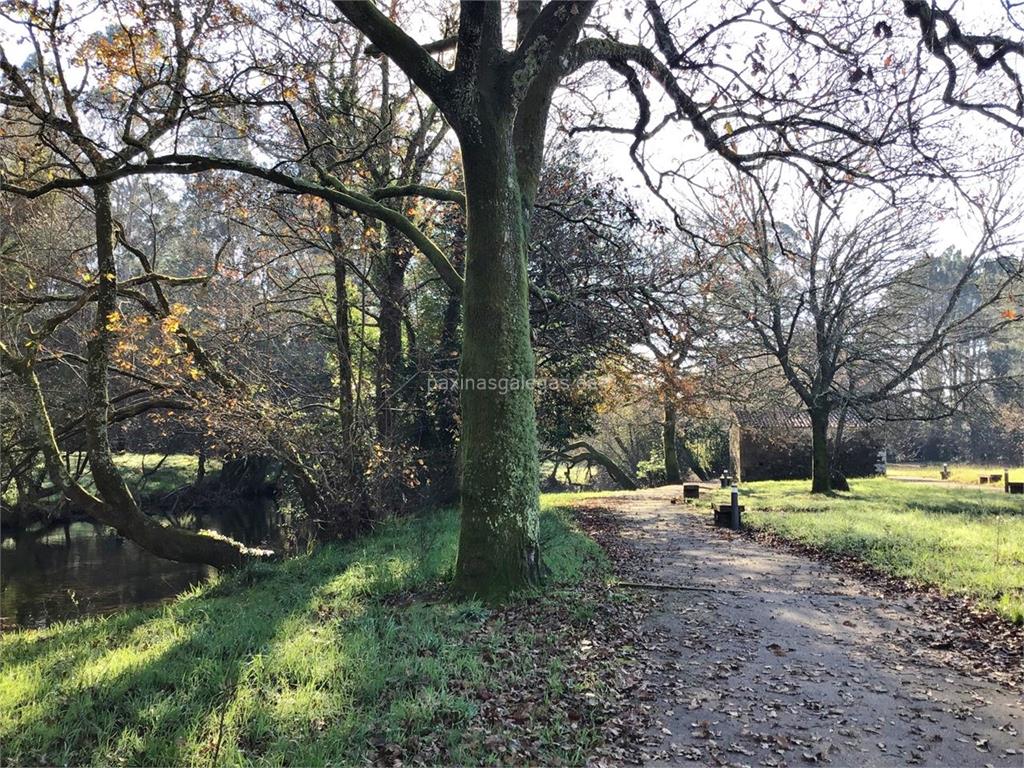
point(350, 654)
point(962, 540)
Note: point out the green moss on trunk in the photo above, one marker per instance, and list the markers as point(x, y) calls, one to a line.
point(821, 481)
point(499, 550)
point(668, 435)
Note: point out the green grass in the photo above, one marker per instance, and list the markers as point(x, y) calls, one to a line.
point(141, 470)
point(961, 540)
point(578, 475)
point(959, 473)
point(325, 658)
point(144, 473)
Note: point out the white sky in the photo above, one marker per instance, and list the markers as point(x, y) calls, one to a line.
point(610, 150)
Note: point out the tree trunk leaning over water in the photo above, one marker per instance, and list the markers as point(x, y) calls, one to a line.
point(114, 504)
point(119, 508)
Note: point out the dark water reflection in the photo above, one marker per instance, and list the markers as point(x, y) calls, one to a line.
point(85, 569)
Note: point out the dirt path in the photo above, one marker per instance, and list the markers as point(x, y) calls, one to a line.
point(783, 661)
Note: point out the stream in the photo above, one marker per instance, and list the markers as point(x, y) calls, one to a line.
point(85, 569)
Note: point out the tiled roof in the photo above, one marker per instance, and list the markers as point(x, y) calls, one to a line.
point(774, 418)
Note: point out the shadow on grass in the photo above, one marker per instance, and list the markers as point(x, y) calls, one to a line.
point(136, 687)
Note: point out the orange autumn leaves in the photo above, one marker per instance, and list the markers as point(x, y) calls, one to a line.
point(125, 58)
point(144, 345)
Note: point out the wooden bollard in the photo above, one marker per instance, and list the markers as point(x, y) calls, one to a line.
point(735, 519)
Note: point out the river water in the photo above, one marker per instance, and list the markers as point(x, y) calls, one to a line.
point(86, 569)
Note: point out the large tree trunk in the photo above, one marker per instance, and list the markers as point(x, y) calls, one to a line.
point(499, 550)
point(821, 475)
point(668, 436)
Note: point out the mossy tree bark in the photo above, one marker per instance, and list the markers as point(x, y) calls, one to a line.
point(499, 549)
point(668, 436)
point(821, 469)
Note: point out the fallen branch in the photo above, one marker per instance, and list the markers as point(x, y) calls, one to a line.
point(592, 454)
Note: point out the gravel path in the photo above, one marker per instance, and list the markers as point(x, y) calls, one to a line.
point(772, 659)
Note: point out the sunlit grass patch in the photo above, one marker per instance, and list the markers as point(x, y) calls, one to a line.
point(962, 540)
point(556, 500)
point(958, 473)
